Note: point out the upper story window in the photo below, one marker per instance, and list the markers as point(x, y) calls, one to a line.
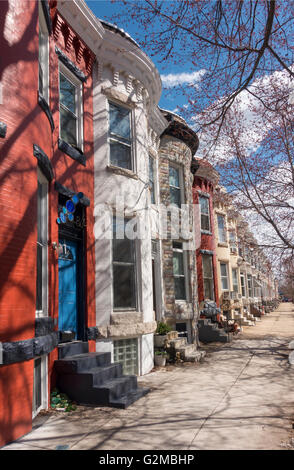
point(43, 56)
point(233, 241)
point(221, 224)
point(175, 185)
point(70, 108)
point(204, 211)
point(235, 279)
point(152, 172)
point(180, 271)
point(120, 135)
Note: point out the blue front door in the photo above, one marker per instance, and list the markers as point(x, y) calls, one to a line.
point(67, 269)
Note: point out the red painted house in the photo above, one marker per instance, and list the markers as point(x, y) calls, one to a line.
point(205, 179)
point(47, 276)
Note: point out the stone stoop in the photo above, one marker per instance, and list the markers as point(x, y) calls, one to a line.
point(242, 320)
point(188, 352)
point(210, 332)
point(91, 378)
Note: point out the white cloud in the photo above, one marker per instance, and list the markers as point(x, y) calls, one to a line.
point(174, 79)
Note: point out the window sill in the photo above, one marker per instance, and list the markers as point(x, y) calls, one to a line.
point(122, 171)
point(206, 232)
point(72, 152)
point(223, 245)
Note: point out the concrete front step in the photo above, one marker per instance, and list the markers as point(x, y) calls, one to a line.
point(209, 333)
point(91, 379)
point(195, 356)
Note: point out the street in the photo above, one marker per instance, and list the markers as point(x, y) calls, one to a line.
point(240, 397)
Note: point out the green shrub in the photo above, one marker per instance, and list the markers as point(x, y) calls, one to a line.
point(163, 328)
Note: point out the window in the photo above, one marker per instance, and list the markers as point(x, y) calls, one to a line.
point(43, 56)
point(224, 276)
point(221, 224)
point(40, 399)
point(233, 241)
point(243, 285)
point(151, 180)
point(124, 268)
point(235, 279)
point(120, 136)
point(70, 108)
point(249, 282)
point(240, 248)
point(125, 351)
point(42, 246)
point(204, 211)
point(179, 270)
point(175, 186)
point(208, 277)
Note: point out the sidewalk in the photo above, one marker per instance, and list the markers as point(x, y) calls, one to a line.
point(240, 397)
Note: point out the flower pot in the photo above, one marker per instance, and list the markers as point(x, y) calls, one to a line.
point(160, 360)
point(159, 340)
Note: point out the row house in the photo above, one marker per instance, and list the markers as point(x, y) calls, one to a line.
point(47, 198)
point(243, 271)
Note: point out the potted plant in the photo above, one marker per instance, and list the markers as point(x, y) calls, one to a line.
point(160, 358)
point(160, 335)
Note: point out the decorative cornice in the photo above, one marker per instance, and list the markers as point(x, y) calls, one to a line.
point(178, 128)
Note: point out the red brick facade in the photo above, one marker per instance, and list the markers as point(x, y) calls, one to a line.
point(27, 124)
point(205, 185)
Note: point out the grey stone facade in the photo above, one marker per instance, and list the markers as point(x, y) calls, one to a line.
point(174, 150)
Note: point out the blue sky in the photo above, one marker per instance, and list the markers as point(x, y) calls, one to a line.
point(104, 10)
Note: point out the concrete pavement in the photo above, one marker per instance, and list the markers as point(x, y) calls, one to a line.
point(240, 397)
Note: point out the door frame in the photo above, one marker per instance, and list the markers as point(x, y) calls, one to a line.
point(72, 233)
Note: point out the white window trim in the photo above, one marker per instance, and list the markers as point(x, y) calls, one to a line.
point(44, 235)
point(186, 271)
point(137, 274)
point(202, 195)
point(44, 385)
point(155, 178)
point(180, 169)
point(227, 276)
point(237, 279)
point(210, 278)
point(132, 138)
point(79, 103)
point(224, 229)
point(243, 275)
point(43, 28)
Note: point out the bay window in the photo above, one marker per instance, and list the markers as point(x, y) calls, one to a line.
point(123, 267)
point(120, 136)
point(179, 271)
